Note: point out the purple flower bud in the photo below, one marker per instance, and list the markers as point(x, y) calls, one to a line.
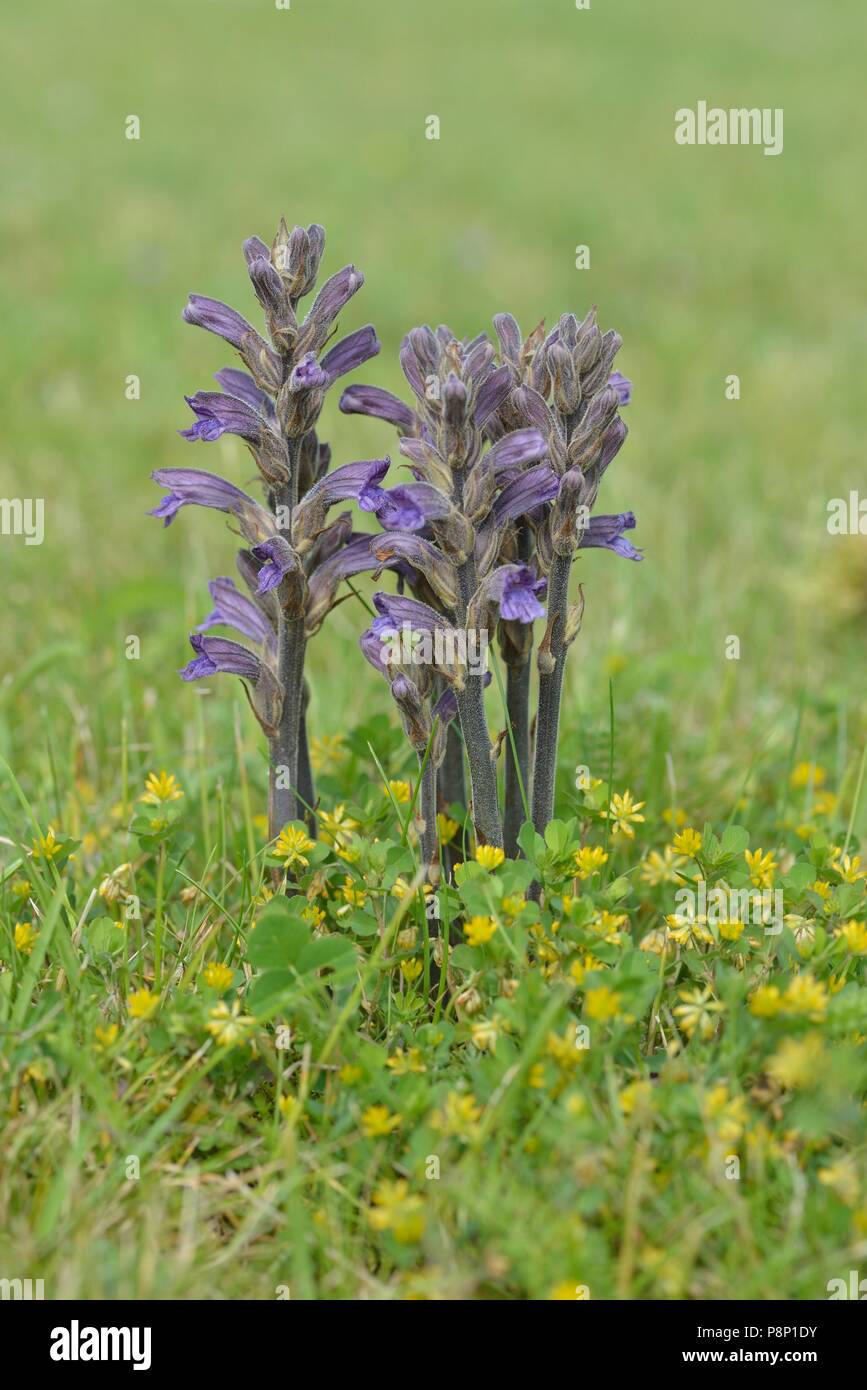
point(277, 559)
point(308, 375)
point(351, 352)
point(532, 489)
point(492, 394)
point(622, 385)
point(215, 654)
point(218, 414)
point(516, 589)
point(341, 485)
point(407, 507)
point(514, 450)
point(192, 486)
point(235, 610)
point(607, 532)
point(243, 387)
point(327, 305)
point(382, 405)
point(423, 556)
point(351, 559)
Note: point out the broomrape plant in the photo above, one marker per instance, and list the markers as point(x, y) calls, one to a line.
point(506, 451)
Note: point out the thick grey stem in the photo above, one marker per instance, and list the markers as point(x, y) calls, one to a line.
point(483, 774)
point(550, 692)
point(283, 803)
point(517, 773)
point(306, 789)
point(428, 812)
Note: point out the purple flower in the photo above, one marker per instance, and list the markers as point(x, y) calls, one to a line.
point(307, 375)
point(327, 305)
point(516, 589)
point(402, 612)
point(351, 352)
point(277, 559)
point(515, 450)
point(622, 385)
point(235, 610)
point(218, 318)
point(218, 414)
point(243, 387)
point(381, 630)
point(340, 485)
point(382, 405)
point(220, 654)
point(532, 489)
point(192, 486)
point(424, 557)
point(492, 394)
point(607, 532)
point(351, 559)
point(407, 507)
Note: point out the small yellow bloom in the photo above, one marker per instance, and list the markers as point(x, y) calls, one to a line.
point(623, 812)
point(405, 1063)
point(608, 926)
point(602, 1003)
point(378, 1121)
point(313, 914)
point(636, 1097)
point(855, 936)
point(326, 752)
point(335, 827)
point(105, 1036)
point(805, 773)
point(798, 1064)
point(662, 868)
point(228, 1025)
point(489, 856)
point(674, 815)
point(350, 1074)
point(588, 860)
point(848, 868)
point(398, 1210)
point(218, 976)
point(161, 787)
point(352, 896)
point(25, 937)
point(478, 930)
point(400, 791)
point(411, 969)
point(143, 1003)
point(446, 828)
point(761, 866)
point(566, 1292)
point(459, 1116)
point(766, 1001)
point(511, 906)
point(20, 889)
point(687, 841)
point(484, 1034)
point(842, 1178)
point(806, 997)
point(699, 1011)
point(293, 844)
point(46, 846)
point(822, 889)
point(731, 931)
point(290, 1107)
point(112, 886)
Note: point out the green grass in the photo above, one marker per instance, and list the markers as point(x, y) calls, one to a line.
point(557, 129)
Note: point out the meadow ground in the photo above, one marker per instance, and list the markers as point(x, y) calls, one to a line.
point(175, 1129)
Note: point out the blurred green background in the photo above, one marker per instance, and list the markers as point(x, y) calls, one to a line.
point(557, 129)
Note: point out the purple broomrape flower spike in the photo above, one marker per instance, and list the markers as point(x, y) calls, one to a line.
point(382, 405)
point(234, 609)
point(607, 532)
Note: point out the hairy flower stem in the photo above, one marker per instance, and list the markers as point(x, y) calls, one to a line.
point(306, 789)
point(471, 712)
point(518, 713)
point(428, 814)
point(550, 692)
point(283, 803)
